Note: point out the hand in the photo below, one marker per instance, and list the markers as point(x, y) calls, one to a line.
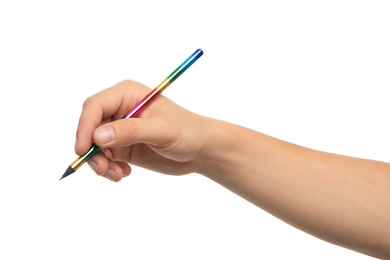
point(164, 137)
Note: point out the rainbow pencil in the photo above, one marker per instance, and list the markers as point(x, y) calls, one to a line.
point(138, 108)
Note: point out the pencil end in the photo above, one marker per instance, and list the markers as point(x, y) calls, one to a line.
point(68, 172)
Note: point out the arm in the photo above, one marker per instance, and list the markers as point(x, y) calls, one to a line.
point(340, 199)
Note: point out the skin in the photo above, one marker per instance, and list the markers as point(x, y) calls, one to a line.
point(340, 199)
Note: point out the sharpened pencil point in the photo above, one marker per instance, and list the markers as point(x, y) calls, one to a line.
point(68, 172)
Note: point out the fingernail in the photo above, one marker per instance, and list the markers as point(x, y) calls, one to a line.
point(92, 164)
point(110, 174)
point(104, 134)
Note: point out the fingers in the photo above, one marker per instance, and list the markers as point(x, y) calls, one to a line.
point(113, 171)
point(103, 107)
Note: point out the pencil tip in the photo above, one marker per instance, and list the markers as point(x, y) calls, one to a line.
point(68, 172)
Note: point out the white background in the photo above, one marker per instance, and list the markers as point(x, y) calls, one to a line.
point(315, 73)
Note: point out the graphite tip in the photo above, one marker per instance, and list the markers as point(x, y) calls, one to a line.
point(68, 172)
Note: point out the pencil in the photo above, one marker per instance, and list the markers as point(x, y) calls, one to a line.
point(138, 108)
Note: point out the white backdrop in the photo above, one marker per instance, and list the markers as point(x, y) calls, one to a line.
point(315, 73)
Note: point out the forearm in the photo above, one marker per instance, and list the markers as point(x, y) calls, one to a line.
point(340, 199)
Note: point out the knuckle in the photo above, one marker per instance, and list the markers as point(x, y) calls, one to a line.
point(126, 129)
point(87, 102)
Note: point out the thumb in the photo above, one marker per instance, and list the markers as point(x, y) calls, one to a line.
point(150, 130)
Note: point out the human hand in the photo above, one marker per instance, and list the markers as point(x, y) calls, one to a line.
point(164, 137)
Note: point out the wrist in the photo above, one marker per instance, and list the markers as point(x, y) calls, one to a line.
point(223, 152)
